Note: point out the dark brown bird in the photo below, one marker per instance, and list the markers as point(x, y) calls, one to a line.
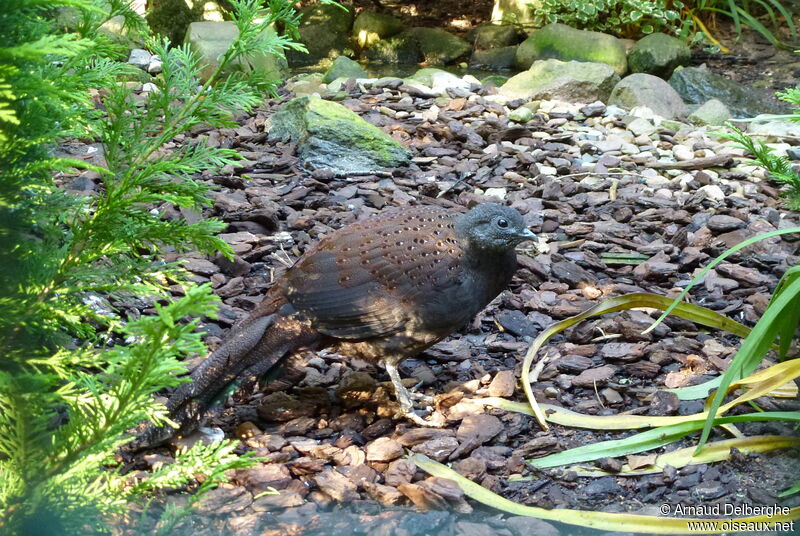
point(382, 289)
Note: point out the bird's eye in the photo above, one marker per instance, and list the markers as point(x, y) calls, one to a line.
point(502, 222)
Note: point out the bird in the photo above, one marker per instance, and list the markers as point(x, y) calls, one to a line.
point(382, 289)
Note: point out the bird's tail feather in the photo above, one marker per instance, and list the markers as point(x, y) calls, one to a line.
point(250, 351)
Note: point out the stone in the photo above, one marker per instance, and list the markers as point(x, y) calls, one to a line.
point(224, 500)
point(370, 27)
point(594, 376)
point(324, 30)
point(503, 384)
point(384, 449)
point(343, 67)
point(774, 129)
point(402, 48)
point(336, 485)
point(697, 86)
point(642, 89)
point(523, 114)
point(571, 81)
point(210, 40)
point(438, 46)
point(713, 112)
point(494, 59)
point(330, 136)
point(525, 526)
point(558, 41)
point(658, 54)
point(140, 58)
point(385, 495)
point(720, 223)
point(489, 36)
point(438, 448)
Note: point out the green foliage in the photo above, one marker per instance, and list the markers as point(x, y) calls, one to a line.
point(779, 167)
point(75, 375)
point(684, 19)
point(625, 18)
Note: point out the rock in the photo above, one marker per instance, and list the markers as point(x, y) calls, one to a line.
point(720, 223)
point(488, 36)
point(386, 495)
point(209, 40)
point(525, 526)
point(402, 48)
point(201, 266)
point(399, 472)
point(438, 46)
point(263, 476)
point(593, 376)
point(523, 114)
point(572, 274)
point(569, 81)
point(438, 448)
point(329, 136)
point(343, 67)
point(324, 30)
point(224, 500)
point(474, 431)
point(516, 323)
point(283, 407)
point(494, 59)
point(503, 384)
point(712, 112)
point(370, 27)
point(270, 502)
point(774, 129)
point(140, 58)
point(384, 449)
point(423, 497)
point(642, 89)
point(697, 86)
point(658, 54)
point(558, 41)
point(336, 485)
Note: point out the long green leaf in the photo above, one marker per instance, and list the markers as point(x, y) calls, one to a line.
point(700, 315)
point(650, 439)
point(607, 521)
point(753, 349)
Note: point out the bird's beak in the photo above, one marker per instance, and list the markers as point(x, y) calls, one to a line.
point(527, 234)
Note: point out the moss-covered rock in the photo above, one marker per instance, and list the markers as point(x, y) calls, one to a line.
point(558, 41)
point(344, 67)
point(697, 85)
point(425, 75)
point(487, 36)
point(401, 48)
point(209, 40)
point(713, 112)
point(574, 81)
point(370, 27)
point(438, 46)
point(658, 54)
point(325, 32)
point(494, 59)
point(330, 136)
point(641, 89)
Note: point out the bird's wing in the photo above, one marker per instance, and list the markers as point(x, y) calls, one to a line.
point(371, 278)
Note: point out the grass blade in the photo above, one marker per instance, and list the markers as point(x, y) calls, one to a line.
point(700, 315)
point(714, 452)
point(651, 439)
point(607, 521)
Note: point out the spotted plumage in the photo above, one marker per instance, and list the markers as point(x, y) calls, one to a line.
point(381, 289)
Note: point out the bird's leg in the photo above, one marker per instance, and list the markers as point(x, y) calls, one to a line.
point(403, 396)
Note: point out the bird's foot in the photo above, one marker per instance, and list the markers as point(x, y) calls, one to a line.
point(420, 397)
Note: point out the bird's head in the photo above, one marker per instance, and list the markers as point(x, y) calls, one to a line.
point(493, 227)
